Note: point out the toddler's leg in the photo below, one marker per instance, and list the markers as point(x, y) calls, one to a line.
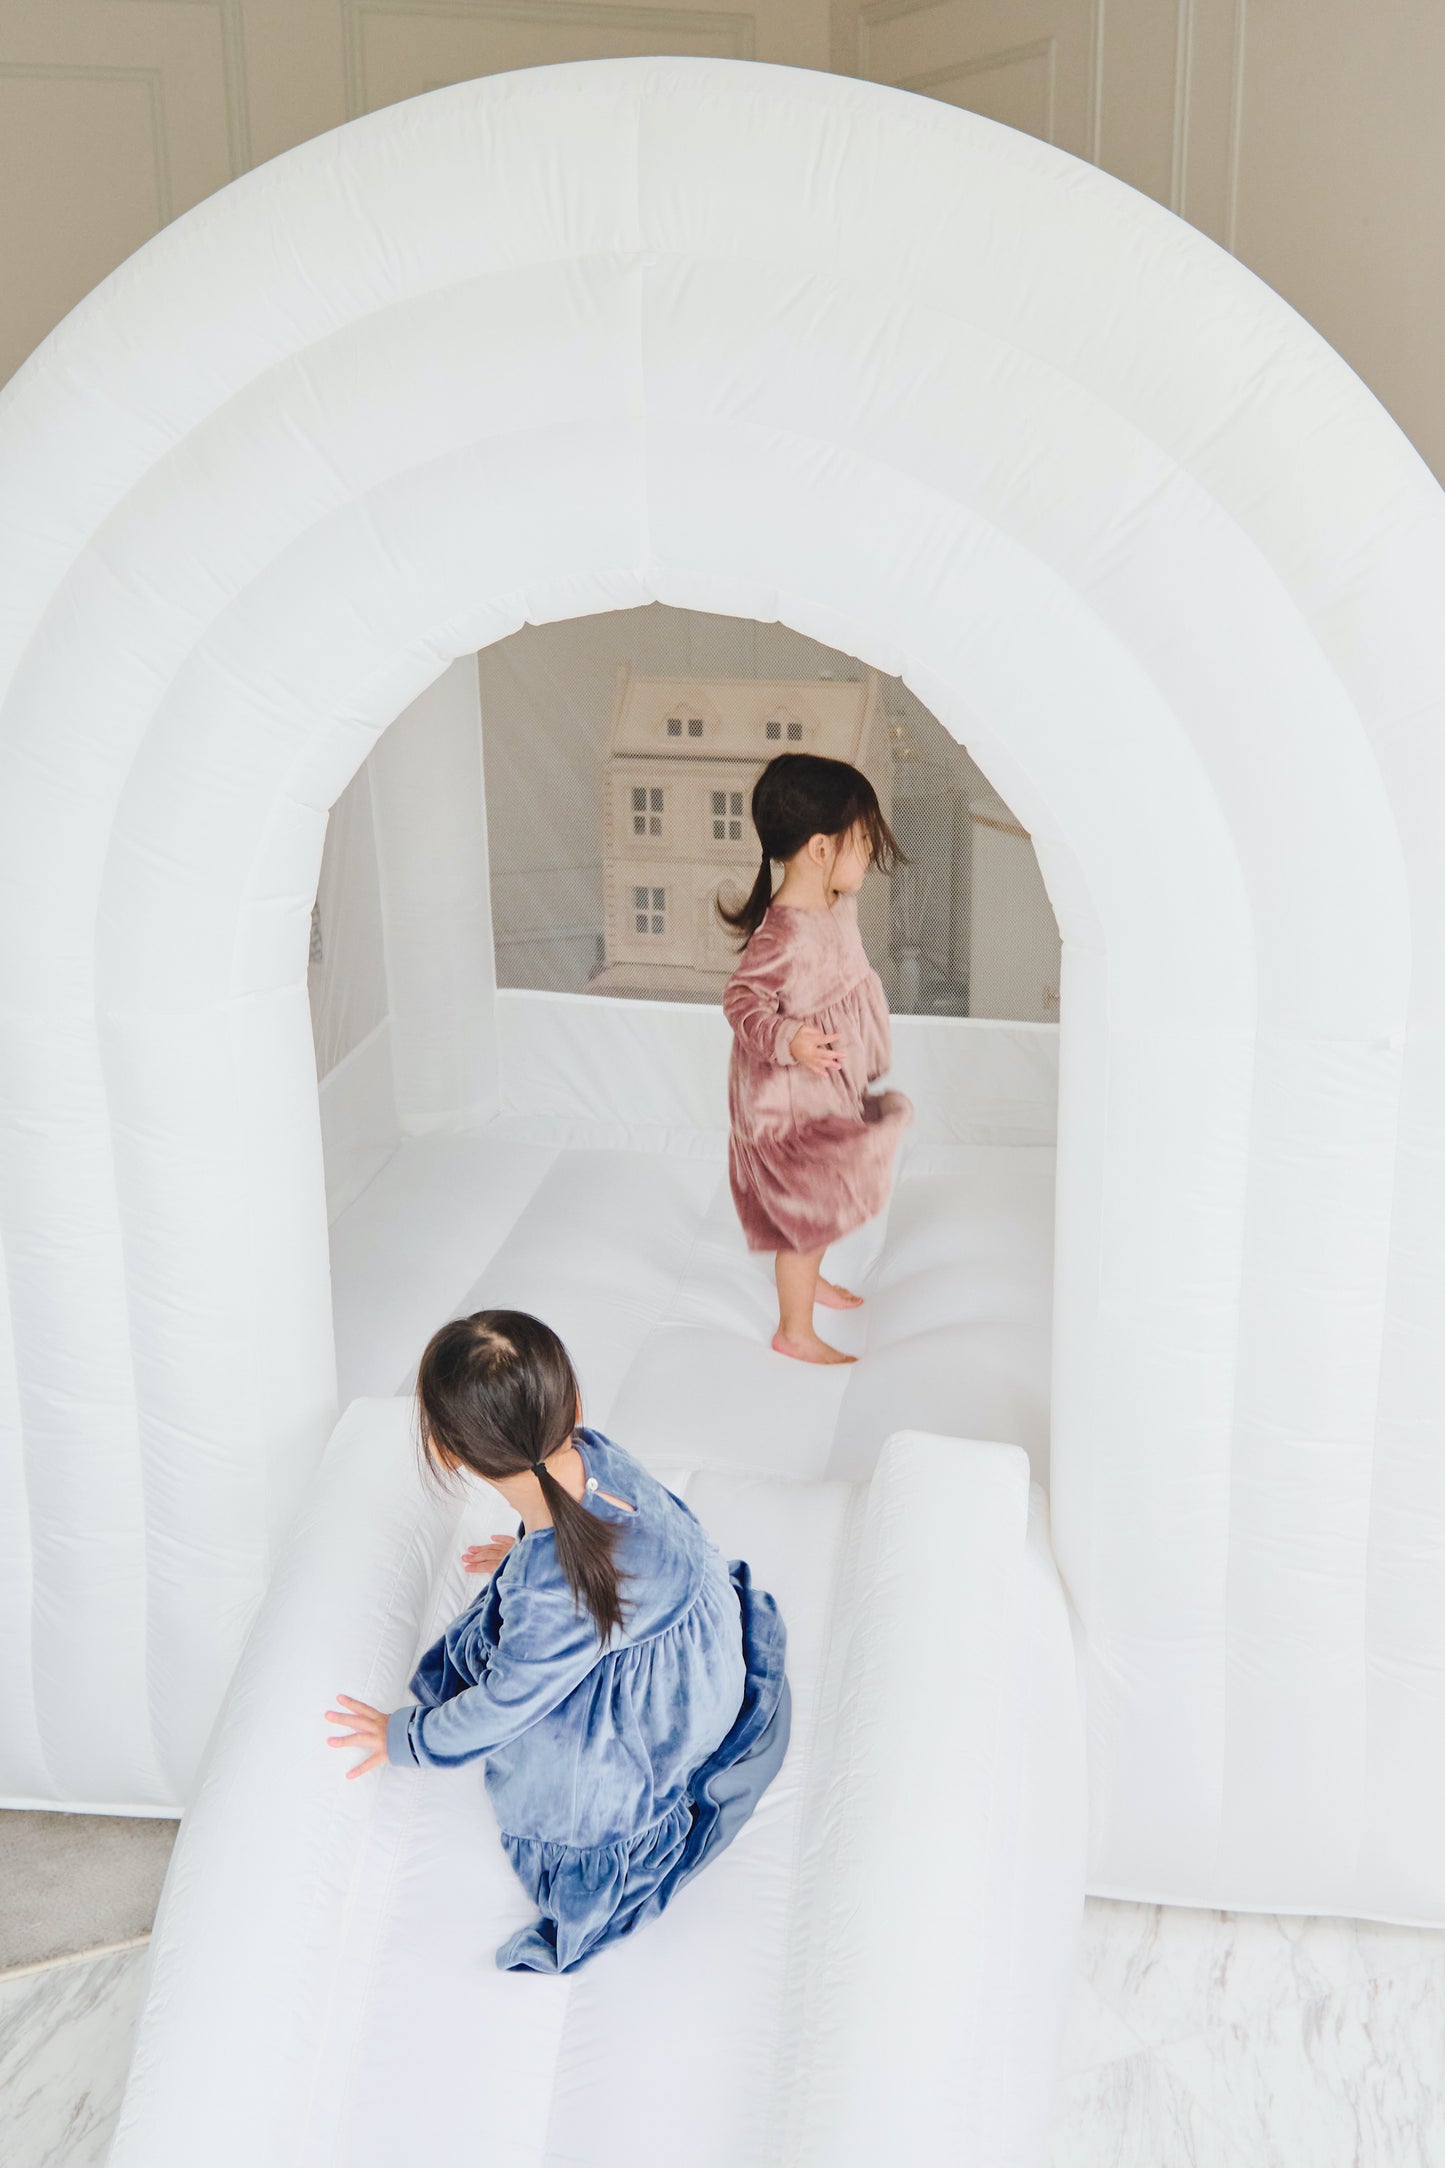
point(797, 1278)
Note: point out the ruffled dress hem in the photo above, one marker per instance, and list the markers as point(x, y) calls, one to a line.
point(806, 1188)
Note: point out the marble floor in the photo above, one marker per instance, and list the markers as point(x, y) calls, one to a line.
point(78, 1895)
point(1233, 2040)
point(65, 2038)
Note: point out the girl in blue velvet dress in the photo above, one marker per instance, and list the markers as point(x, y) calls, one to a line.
point(624, 1685)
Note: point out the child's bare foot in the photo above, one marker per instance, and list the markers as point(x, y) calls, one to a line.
point(834, 1297)
point(808, 1348)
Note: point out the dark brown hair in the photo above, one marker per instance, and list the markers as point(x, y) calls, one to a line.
point(799, 795)
point(497, 1393)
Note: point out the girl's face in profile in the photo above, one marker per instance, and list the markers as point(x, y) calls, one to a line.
point(851, 863)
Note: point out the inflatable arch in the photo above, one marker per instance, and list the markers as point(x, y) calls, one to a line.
point(789, 346)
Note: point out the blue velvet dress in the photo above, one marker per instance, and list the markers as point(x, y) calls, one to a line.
point(616, 1772)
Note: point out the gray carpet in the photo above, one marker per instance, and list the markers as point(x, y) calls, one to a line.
point(72, 1882)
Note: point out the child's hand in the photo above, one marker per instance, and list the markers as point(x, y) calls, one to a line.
point(486, 1557)
point(815, 1050)
point(370, 1732)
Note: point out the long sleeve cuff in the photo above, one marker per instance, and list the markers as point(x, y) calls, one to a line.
point(787, 1031)
point(399, 1748)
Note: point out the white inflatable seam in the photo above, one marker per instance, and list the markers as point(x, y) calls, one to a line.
point(369, 1966)
point(824, 1802)
point(666, 1309)
point(820, 1785)
point(391, 1608)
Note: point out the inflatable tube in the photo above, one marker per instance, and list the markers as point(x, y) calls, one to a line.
point(877, 1969)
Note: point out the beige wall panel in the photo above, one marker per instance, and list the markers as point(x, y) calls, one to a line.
point(1140, 81)
point(57, 242)
point(294, 72)
point(1204, 166)
point(114, 116)
point(1341, 187)
point(191, 48)
point(1028, 63)
point(399, 48)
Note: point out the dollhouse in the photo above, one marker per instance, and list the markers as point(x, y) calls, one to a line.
point(681, 762)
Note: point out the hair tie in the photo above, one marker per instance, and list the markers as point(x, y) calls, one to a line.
point(539, 1467)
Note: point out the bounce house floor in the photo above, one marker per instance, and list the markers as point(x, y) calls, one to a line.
point(636, 1257)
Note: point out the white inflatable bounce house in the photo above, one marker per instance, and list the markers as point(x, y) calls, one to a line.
point(797, 348)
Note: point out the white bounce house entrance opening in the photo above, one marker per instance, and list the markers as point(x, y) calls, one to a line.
point(951, 402)
point(439, 1185)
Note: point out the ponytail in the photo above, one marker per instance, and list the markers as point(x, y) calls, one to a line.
point(799, 795)
point(749, 914)
point(497, 1393)
point(585, 1547)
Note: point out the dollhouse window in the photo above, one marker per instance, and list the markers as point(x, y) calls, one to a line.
point(772, 730)
point(647, 810)
point(694, 726)
point(674, 726)
point(795, 733)
point(727, 821)
point(649, 910)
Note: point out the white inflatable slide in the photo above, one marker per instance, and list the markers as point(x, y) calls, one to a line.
point(877, 1970)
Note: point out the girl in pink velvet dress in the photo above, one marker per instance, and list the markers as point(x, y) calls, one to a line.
point(811, 1151)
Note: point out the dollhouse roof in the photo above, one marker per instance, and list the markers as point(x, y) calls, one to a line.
point(728, 718)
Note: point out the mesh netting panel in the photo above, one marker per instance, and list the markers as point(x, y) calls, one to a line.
point(346, 961)
point(609, 837)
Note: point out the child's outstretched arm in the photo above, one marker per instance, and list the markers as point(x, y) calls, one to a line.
point(546, 1649)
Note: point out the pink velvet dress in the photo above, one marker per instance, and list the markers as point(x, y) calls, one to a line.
point(811, 1155)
